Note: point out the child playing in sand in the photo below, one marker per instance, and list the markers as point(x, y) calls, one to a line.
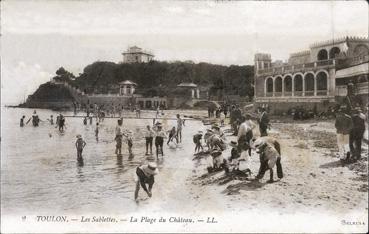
point(216, 162)
point(80, 144)
point(197, 140)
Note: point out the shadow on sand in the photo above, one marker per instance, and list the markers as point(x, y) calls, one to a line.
point(333, 164)
point(245, 185)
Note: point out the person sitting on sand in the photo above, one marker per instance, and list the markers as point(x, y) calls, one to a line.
point(197, 140)
point(216, 162)
point(145, 175)
point(80, 144)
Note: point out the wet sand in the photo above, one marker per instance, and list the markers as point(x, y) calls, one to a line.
point(314, 179)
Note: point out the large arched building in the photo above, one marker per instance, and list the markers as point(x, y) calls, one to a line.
point(315, 77)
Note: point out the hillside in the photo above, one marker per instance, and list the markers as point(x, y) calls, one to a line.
point(162, 77)
point(153, 79)
point(49, 95)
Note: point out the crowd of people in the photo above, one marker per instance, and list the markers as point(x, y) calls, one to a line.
point(243, 127)
point(350, 125)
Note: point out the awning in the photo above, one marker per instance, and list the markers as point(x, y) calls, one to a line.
point(360, 69)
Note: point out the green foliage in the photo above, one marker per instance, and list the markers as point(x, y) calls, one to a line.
point(63, 75)
point(51, 92)
point(161, 78)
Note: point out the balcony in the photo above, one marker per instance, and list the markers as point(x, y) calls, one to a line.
point(297, 67)
point(288, 94)
point(297, 93)
point(321, 92)
point(309, 93)
point(309, 65)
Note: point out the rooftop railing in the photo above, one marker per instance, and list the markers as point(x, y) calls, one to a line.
point(297, 67)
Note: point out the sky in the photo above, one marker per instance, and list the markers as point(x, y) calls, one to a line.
point(38, 37)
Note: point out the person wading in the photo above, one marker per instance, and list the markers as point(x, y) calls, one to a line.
point(180, 124)
point(159, 139)
point(149, 136)
point(145, 175)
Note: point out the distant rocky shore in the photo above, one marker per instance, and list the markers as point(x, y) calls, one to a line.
point(49, 96)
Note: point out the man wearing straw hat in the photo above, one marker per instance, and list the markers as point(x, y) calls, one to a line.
point(145, 175)
point(159, 139)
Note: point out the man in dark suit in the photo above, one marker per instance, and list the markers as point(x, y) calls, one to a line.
point(263, 122)
point(357, 132)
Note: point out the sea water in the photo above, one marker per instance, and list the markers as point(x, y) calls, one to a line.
point(39, 170)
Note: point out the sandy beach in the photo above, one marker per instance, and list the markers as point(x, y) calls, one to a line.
point(314, 181)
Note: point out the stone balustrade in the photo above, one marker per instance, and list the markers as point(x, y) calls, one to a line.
point(297, 67)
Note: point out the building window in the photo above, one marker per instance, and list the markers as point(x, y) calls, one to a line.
point(334, 52)
point(298, 85)
point(269, 85)
point(322, 54)
point(309, 84)
point(322, 83)
point(288, 84)
point(278, 84)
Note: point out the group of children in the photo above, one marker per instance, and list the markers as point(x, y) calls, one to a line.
point(156, 134)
